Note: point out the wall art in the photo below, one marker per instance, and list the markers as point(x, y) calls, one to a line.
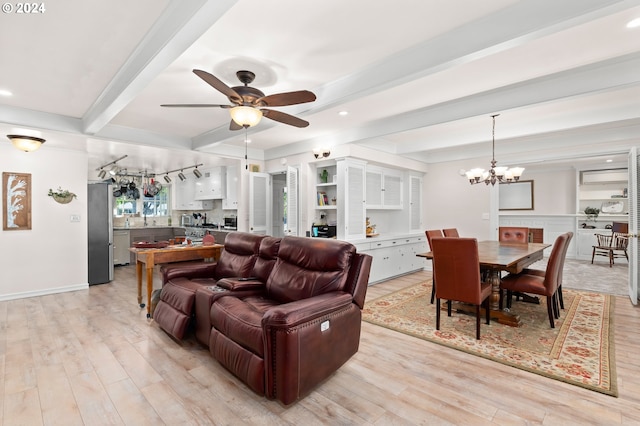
point(16, 201)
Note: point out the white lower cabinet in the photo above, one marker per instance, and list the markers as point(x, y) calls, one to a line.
point(121, 248)
point(393, 257)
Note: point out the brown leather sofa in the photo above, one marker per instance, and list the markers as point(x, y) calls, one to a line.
point(175, 309)
point(294, 323)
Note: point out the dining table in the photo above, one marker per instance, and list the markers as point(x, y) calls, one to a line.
point(495, 257)
point(150, 257)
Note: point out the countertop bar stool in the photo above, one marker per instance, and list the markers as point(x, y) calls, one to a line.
point(455, 267)
point(451, 232)
point(614, 245)
point(434, 233)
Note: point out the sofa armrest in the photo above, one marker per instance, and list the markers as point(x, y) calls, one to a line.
point(188, 270)
point(237, 284)
point(301, 311)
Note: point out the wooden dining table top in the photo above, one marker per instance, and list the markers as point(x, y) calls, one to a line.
point(512, 257)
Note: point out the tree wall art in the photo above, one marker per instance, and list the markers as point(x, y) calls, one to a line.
point(16, 201)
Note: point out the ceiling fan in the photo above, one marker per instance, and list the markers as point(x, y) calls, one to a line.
point(249, 103)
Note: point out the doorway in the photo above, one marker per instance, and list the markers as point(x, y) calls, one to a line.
point(279, 204)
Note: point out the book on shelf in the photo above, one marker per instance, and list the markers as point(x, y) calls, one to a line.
point(323, 200)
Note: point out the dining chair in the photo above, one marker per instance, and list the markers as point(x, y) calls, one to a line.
point(513, 234)
point(541, 272)
point(546, 285)
point(451, 232)
point(614, 245)
point(432, 233)
point(455, 268)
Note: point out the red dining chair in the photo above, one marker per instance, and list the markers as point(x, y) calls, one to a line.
point(455, 267)
point(546, 285)
point(433, 233)
point(451, 232)
point(513, 234)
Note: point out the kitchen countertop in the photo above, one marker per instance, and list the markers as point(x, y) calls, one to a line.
point(122, 228)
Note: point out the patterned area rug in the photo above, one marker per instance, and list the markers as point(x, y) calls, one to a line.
point(578, 351)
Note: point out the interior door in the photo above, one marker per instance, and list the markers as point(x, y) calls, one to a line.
point(634, 210)
point(260, 203)
point(291, 227)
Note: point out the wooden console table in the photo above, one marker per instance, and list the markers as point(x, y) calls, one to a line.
point(155, 256)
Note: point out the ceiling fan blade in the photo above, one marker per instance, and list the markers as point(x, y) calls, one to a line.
point(196, 106)
point(284, 118)
point(219, 86)
point(287, 98)
point(234, 126)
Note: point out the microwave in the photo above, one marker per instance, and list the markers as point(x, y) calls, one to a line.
point(231, 223)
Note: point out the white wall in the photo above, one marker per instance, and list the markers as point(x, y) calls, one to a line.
point(52, 256)
point(554, 191)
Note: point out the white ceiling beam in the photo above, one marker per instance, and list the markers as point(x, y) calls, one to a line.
point(179, 26)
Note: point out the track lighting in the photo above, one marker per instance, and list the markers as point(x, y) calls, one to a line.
point(197, 172)
point(102, 174)
point(181, 176)
point(167, 178)
point(114, 169)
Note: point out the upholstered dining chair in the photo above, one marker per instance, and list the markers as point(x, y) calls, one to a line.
point(451, 232)
point(541, 273)
point(513, 234)
point(455, 268)
point(546, 285)
point(614, 245)
point(432, 233)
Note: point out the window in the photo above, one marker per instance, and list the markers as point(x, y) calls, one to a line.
point(148, 206)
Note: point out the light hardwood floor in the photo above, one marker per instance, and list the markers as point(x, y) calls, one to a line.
point(91, 357)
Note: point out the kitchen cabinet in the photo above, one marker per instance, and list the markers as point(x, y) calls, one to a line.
point(393, 257)
point(230, 201)
point(212, 185)
point(415, 203)
point(121, 246)
point(383, 188)
point(351, 207)
point(184, 197)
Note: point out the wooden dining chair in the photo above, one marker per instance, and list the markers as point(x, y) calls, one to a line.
point(614, 245)
point(513, 234)
point(455, 268)
point(433, 233)
point(451, 232)
point(546, 285)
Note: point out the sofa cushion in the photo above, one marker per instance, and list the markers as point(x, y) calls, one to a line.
point(307, 267)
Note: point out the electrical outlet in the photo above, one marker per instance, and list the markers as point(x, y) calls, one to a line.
point(75, 218)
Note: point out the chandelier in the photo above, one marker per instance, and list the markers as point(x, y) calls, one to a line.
point(495, 174)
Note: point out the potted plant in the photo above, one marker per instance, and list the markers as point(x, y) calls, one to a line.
point(62, 196)
point(592, 213)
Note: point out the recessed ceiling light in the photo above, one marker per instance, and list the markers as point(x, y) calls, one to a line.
point(609, 160)
point(4, 92)
point(343, 113)
point(635, 23)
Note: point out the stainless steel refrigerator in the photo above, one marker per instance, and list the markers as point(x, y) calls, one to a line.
point(100, 231)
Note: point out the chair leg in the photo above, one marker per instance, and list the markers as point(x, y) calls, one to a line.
point(550, 311)
point(560, 297)
point(509, 296)
point(487, 310)
point(477, 322)
point(610, 258)
point(437, 314)
point(501, 300)
point(449, 307)
point(556, 305)
point(593, 254)
point(433, 289)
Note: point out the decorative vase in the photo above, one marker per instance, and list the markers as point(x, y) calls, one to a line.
point(324, 176)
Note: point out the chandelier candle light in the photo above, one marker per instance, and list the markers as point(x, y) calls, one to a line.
point(495, 174)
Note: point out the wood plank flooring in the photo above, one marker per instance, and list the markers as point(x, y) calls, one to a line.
point(91, 357)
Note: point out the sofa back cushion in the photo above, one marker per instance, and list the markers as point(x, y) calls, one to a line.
point(239, 255)
point(307, 267)
point(268, 253)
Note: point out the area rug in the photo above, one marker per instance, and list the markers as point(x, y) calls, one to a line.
point(578, 351)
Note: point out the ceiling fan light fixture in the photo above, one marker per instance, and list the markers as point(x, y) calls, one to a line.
point(246, 116)
point(26, 143)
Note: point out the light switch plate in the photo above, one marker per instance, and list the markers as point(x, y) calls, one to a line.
point(75, 218)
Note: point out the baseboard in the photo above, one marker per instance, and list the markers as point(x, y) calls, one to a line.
point(43, 292)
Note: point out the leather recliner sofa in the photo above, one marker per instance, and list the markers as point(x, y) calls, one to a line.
point(293, 323)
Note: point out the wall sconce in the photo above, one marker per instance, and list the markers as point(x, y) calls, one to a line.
point(321, 152)
point(26, 143)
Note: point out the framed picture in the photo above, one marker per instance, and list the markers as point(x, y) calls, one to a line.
point(16, 201)
point(516, 195)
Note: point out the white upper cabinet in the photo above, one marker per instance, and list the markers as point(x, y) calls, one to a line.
point(384, 188)
point(212, 185)
point(351, 200)
point(230, 201)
